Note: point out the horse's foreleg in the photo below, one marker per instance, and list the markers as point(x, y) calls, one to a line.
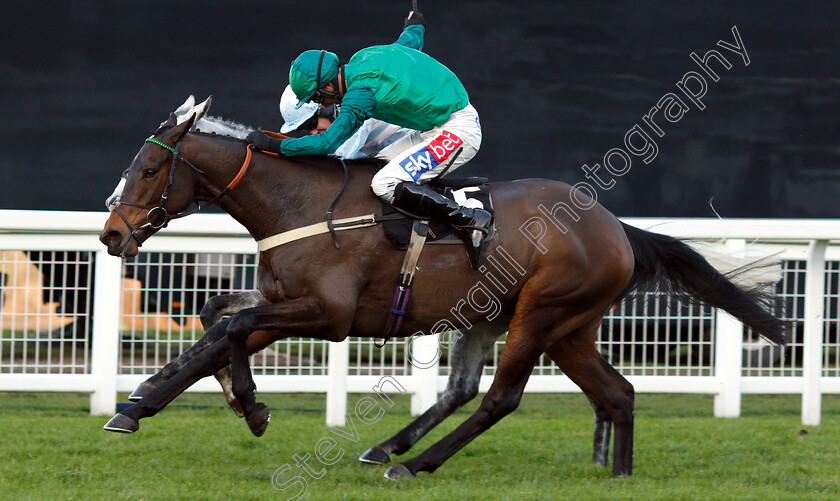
point(213, 311)
point(206, 363)
point(202, 364)
point(303, 317)
point(467, 358)
point(609, 393)
point(169, 370)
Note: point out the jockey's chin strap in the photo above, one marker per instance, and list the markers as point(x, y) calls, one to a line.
point(330, 94)
point(158, 217)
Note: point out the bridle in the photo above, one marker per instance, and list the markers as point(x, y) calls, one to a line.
point(159, 211)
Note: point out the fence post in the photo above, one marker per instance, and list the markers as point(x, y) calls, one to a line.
point(729, 346)
point(425, 366)
point(337, 368)
point(812, 348)
point(729, 351)
point(105, 350)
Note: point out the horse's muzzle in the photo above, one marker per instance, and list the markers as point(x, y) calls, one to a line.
point(118, 243)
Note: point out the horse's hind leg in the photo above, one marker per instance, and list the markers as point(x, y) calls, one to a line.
point(467, 358)
point(216, 308)
point(611, 395)
point(522, 350)
point(213, 311)
point(601, 432)
point(225, 378)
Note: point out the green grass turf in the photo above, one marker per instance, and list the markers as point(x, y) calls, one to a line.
point(50, 448)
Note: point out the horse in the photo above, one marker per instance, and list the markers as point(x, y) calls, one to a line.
point(550, 295)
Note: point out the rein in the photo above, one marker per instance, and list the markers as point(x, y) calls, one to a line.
point(159, 211)
point(158, 217)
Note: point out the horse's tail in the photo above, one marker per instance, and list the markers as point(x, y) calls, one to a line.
point(670, 264)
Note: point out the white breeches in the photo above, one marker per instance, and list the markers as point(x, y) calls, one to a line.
point(422, 156)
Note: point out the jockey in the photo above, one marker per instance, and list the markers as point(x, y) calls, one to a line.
point(370, 141)
point(299, 121)
point(401, 85)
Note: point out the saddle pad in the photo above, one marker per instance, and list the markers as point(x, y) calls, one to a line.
point(398, 231)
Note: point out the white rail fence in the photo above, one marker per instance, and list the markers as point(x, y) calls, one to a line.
point(75, 319)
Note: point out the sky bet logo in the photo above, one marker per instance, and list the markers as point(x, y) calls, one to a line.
point(432, 155)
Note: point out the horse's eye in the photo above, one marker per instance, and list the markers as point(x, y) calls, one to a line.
point(149, 172)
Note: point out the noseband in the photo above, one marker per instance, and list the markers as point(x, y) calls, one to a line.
point(159, 211)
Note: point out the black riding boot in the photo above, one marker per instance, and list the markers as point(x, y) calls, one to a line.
point(423, 201)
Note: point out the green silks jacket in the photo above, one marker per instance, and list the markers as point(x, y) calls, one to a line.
point(395, 83)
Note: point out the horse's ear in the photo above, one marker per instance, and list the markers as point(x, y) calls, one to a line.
point(187, 106)
point(179, 130)
point(169, 122)
point(202, 108)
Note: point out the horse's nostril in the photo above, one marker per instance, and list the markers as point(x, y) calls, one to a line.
point(110, 237)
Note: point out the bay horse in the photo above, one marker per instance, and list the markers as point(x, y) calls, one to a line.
point(551, 297)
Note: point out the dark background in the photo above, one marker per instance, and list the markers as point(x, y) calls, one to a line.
point(557, 85)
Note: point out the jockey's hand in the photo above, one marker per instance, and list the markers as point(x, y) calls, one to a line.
point(258, 140)
point(415, 18)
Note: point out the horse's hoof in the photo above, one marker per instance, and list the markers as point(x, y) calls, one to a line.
point(398, 471)
point(122, 424)
point(258, 420)
point(375, 455)
point(141, 391)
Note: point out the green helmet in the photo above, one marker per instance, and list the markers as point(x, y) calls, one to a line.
point(304, 77)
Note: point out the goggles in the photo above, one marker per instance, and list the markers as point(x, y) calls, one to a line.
point(330, 112)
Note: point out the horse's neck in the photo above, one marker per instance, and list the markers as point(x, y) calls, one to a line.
point(274, 195)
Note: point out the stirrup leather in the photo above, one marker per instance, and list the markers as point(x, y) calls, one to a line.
point(473, 223)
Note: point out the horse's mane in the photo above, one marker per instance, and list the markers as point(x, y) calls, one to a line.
point(222, 128)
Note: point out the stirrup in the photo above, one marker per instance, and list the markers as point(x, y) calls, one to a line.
point(474, 237)
point(482, 229)
point(474, 251)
